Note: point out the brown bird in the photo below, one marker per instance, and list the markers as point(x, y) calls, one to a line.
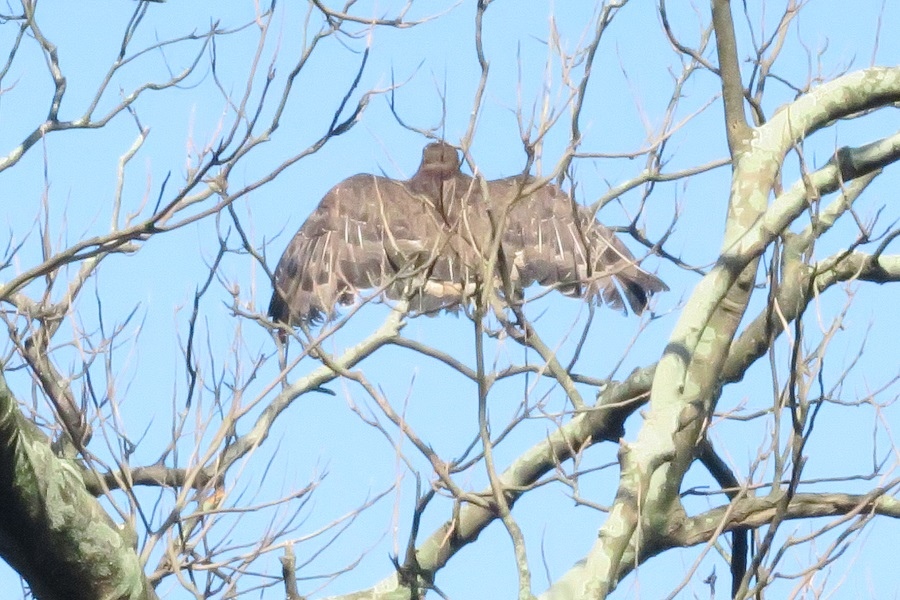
point(429, 239)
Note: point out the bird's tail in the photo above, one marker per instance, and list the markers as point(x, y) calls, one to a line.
point(638, 286)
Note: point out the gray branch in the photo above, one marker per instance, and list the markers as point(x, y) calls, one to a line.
point(52, 531)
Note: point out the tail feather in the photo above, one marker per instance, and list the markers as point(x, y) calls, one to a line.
point(638, 286)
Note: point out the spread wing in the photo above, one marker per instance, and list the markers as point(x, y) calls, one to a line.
point(428, 240)
point(367, 233)
point(552, 241)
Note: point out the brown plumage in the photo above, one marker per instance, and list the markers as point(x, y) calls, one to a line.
point(428, 238)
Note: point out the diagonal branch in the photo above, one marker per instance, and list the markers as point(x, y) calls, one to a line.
point(52, 531)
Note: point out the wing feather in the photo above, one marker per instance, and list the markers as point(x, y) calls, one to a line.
point(367, 233)
point(558, 243)
point(343, 248)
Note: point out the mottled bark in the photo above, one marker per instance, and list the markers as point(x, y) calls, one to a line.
point(688, 378)
point(52, 531)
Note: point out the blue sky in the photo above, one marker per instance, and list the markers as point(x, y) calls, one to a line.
point(433, 62)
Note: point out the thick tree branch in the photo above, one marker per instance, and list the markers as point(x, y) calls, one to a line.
point(736, 128)
point(686, 384)
point(757, 512)
point(153, 476)
point(52, 531)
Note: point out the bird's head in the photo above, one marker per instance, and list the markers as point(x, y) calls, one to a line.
point(439, 158)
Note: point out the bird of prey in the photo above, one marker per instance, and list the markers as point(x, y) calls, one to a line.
point(430, 240)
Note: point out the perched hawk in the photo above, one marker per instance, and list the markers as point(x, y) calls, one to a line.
point(430, 238)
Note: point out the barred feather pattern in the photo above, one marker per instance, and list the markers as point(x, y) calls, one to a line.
point(428, 239)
